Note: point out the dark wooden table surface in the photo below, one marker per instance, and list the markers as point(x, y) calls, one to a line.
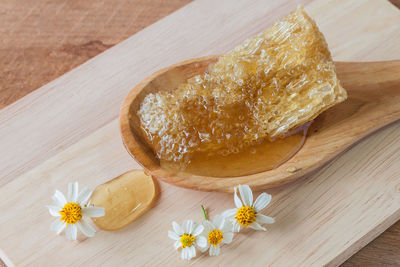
point(42, 39)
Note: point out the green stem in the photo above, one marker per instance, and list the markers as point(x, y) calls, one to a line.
point(204, 213)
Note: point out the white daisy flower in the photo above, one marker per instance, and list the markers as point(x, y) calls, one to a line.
point(186, 237)
point(71, 210)
point(217, 232)
point(247, 213)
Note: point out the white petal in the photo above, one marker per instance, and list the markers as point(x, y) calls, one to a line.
point(201, 241)
point(246, 195)
point(76, 192)
point(262, 201)
point(260, 218)
point(236, 227)
point(219, 221)
point(58, 226)
point(208, 227)
point(84, 196)
point(184, 254)
point(227, 238)
point(93, 211)
point(70, 191)
point(59, 199)
point(177, 244)
point(187, 226)
point(212, 251)
point(177, 228)
point(192, 252)
point(238, 203)
point(73, 192)
point(227, 214)
point(204, 249)
point(71, 232)
point(217, 250)
point(256, 226)
point(228, 226)
point(199, 228)
point(86, 228)
point(54, 210)
point(173, 235)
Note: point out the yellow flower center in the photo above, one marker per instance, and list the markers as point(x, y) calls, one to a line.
point(245, 216)
point(187, 240)
point(215, 237)
point(71, 213)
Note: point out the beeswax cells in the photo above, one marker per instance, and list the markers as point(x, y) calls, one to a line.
point(272, 83)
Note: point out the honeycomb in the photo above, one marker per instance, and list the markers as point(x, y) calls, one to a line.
point(272, 83)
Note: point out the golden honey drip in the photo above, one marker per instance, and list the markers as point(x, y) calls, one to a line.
point(125, 198)
point(274, 82)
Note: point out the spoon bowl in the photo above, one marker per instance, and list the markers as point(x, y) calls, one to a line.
point(373, 102)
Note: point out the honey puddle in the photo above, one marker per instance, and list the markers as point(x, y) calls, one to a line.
point(254, 159)
point(124, 199)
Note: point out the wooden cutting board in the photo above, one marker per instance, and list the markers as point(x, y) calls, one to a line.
point(67, 130)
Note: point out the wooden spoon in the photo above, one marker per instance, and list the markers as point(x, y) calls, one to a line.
point(373, 102)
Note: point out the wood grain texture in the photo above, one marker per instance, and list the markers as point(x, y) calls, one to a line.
point(41, 40)
point(61, 143)
point(373, 102)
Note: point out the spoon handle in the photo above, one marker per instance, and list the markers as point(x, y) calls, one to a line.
point(374, 87)
point(370, 73)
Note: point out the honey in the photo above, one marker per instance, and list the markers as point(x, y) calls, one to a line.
point(266, 155)
point(248, 100)
point(125, 198)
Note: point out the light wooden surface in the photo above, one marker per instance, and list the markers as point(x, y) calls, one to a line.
point(104, 27)
point(373, 102)
point(41, 39)
point(318, 213)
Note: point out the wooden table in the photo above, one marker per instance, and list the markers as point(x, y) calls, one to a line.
point(41, 40)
